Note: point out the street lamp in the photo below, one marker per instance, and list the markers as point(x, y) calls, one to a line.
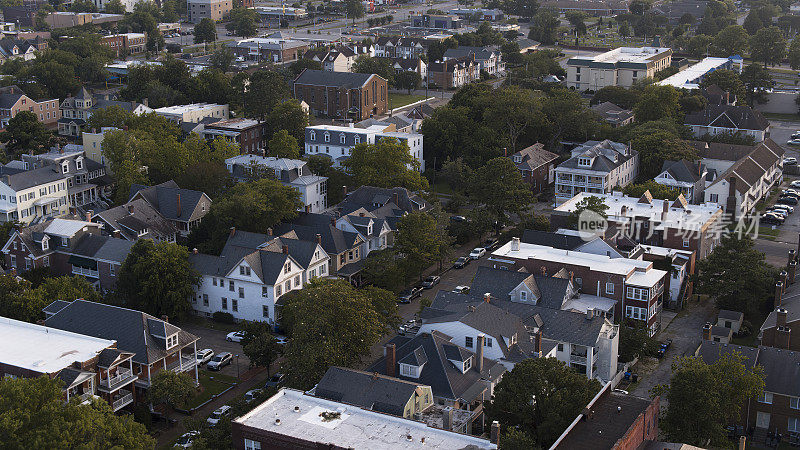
point(237, 366)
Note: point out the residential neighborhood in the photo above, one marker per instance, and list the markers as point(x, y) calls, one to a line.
point(400, 224)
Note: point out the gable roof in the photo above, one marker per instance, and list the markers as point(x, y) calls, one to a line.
point(165, 198)
point(307, 225)
point(683, 170)
point(136, 216)
point(606, 155)
point(372, 198)
point(368, 390)
point(133, 330)
point(728, 116)
point(533, 157)
point(748, 170)
point(338, 79)
point(20, 181)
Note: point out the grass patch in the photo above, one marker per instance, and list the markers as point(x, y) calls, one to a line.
point(211, 385)
point(782, 116)
point(399, 100)
point(768, 233)
point(211, 324)
point(751, 340)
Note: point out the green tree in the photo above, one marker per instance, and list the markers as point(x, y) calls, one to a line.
point(33, 415)
point(205, 31)
point(618, 95)
point(158, 279)
point(331, 323)
point(656, 190)
point(243, 22)
point(267, 89)
point(657, 102)
point(407, 80)
point(114, 7)
point(624, 29)
point(658, 146)
point(732, 40)
point(66, 288)
point(289, 116)
point(794, 54)
point(498, 185)
point(756, 80)
point(387, 163)
point(545, 26)
point(576, 19)
point(379, 66)
point(354, 9)
point(83, 6)
point(419, 241)
point(213, 85)
point(17, 300)
point(768, 45)
point(704, 398)
point(513, 111)
point(727, 80)
point(635, 342)
point(173, 388)
point(752, 23)
point(383, 269)
point(282, 145)
point(222, 59)
point(263, 350)
point(540, 397)
point(591, 203)
point(737, 275)
point(24, 133)
point(699, 45)
point(302, 64)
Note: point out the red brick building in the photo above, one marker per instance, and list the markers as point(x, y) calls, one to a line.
point(536, 166)
point(342, 95)
point(13, 100)
point(250, 134)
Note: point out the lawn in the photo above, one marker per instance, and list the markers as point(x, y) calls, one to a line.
point(783, 117)
point(212, 324)
point(768, 233)
point(398, 100)
point(211, 384)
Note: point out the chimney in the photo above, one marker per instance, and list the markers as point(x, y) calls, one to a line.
point(731, 186)
point(269, 231)
point(146, 102)
point(89, 215)
point(165, 318)
point(117, 234)
point(495, 434)
point(396, 198)
point(742, 442)
point(479, 353)
point(515, 244)
point(233, 231)
point(780, 318)
point(487, 297)
point(784, 279)
point(130, 208)
point(783, 337)
point(447, 418)
point(544, 270)
point(344, 190)
point(194, 250)
point(319, 239)
point(707, 331)
point(792, 271)
point(792, 255)
point(285, 249)
point(589, 313)
point(665, 210)
point(778, 294)
point(178, 201)
point(390, 360)
point(537, 341)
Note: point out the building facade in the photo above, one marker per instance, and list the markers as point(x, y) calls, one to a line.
point(337, 142)
point(596, 167)
point(342, 95)
point(619, 67)
point(215, 10)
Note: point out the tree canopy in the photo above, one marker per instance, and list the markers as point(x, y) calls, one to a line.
point(24, 133)
point(387, 163)
point(172, 388)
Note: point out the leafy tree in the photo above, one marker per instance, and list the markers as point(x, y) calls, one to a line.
point(205, 31)
point(206, 176)
point(172, 388)
point(387, 163)
point(243, 22)
point(282, 145)
point(222, 59)
point(687, 19)
point(591, 203)
point(267, 89)
point(656, 190)
point(737, 275)
point(419, 241)
point(624, 29)
point(567, 118)
point(499, 186)
point(635, 342)
point(522, 8)
point(544, 26)
point(768, 45)
point(618, 95)
point(24, 134)
point(638, 7)
point(727, 80)
point(17, 300)
point(213, 85)
point(794, 54)
point(157, 278)
point(576, 19)
point(263, 350)
point(702, 399)
point(756, 80)
point(514, 111)
point(659, 146)
point(66, 288)
point(289, 116)
point(699, 45)
point(657, 102)
point(540, 397)
point(752, 23)
point(379, 66)
point(331, 323)
point(115, 7)
point(383, 269)
point(457, 173)
point(83, 6)
point(732, 40)
point(33, 415)
point(302, 64)
point(451, 132)
point(384, 302)
point(354, 9)
point(407, 80)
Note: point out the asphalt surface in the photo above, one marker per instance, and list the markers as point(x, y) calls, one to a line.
point(215, 340)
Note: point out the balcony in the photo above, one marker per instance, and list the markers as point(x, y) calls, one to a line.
point(182, 364)
point(122, 377)
point(121, 400)
point(85, 272)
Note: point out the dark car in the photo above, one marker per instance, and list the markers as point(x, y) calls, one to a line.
point(462, 262)
point(770, 220)
point(430, 282)
point(409, 294)
point(490, 244)
point(275, 380)
point(787, 200)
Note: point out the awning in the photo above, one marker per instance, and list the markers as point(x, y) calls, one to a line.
point(80, 261)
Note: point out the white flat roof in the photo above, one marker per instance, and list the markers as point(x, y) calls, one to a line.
point(684, 78)
point(67, 227)
point(181, 109)
point(626, 54)
point(299, 416)
point(694, 217)
point(640, 273)
point(585, 301)
point(43, 349)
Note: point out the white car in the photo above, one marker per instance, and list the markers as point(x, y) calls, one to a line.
point(790, 161)
point(218, 414)
point(252, 395)
point(786, 208)
point(477, 253)
point(186, 440)
point(203, 356)
point(461, 290)
point(793, 142)
point(235, 336)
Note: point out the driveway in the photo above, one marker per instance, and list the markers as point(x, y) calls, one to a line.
point(686, 332)
point(215, 340)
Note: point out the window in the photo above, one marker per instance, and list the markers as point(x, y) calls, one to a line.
point(560, 347)
point(265, 311)
point(277, 291)
point(287, 268)
point(609, 288)
point(230, 286)
point(765, 397)
point(79, 163)
point(468, 342)
point(244, 270)
point(288, 285)
point(113, 269)
point(205, 299)
point(635, 293)
point(488, 342)
point(264, 291)
point(793, 425)
point(221, 282)
point(297, 281)
point(341, 138)
point(685, 243)
point(214, 281)
point(714, 198)
point(327, 137)
point(634, 312)
point(234, 304)
point(794, 402)
point(523, 296)
point(241, 292)
point(224, 303)
point(251, 445)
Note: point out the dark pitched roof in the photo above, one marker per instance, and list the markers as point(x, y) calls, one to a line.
point(730, 315)
point(728, 116)
point(372, 198)
point(614, 415)
point(533, 157)
point(30, 178)
point(440, 374)
point(143, 216)
point(753, 166)
point(165, 197)
point(550, 239)
point(718, 150)
point(339, 79)
point(126, 326)
point(683, 170)
point(605, 155)
point(372, 391)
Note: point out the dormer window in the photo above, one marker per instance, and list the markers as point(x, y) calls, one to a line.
point(287, 268)
point(517, 158)
point(172, 341)
point(585, 162)
point(411, 371)
point(79, 163)
point(341, 138)
point(327, 137)
point(357, 139)
point(45, 243)
point(312, 135)
point(467, 365)
point(64, 242)
point(65, 167)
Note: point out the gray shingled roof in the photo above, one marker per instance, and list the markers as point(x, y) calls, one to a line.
point(533, 157)
point(606, 155)
point(368, 390)
point(728, 116)
point(30, 178)
point(682, 170)
point(164, 198)
point(307, 226)
point(126, 326)
point(338, 79)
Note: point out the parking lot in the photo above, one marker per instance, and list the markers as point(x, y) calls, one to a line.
point(215, 340)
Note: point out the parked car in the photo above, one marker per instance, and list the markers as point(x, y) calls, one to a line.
point(235, 336)
point(477, 253)
point(430, 282)
point(787, 200)
point(458, 219)
point(490, 244)
point(186, 439)
point(786, 208)
point(409, 294)
point(461, 290)
point(252, 395)
point(461, 262)
point(790, 161)
point(275, 380)
point(791, 191)
point(783, 214)
point(203, 356)
point(219, 361)
point(218, 414)
point(795, 184)
point(770, 219)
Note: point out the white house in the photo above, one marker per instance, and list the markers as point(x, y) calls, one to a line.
point(596, 167)
point(28, 195)
point(728, 119)
point(373, 230)
point(337, 142)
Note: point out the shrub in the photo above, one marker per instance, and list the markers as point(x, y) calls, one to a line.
point(223, 317)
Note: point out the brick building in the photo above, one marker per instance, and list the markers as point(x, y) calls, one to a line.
point(342, 95)
point(536, 166)
point(13, 100)
point(250, 134)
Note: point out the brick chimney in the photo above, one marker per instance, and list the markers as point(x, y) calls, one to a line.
point(117, 234)
point(165, 318)
point(130, 208)
point(178, 201)
point(194, 250)
point(792, 255)
point(707, 331)
point(495, 433)
point(333, 221)
point(537, 342)
point(391, 364)
point(447, 418)
point(319, 239)
point(782, 337)
point(665, 209)
point(778, 293)
point(780, 317)
point(479, 353)
point(792, 271)
point(285, 249)
point(308, 209)
point(515, 244)
point(89, 215)
point(233, 231)
point(784, 277)
point(269, 231)
point(344, 190)
point(487, 297)
point(396, 198)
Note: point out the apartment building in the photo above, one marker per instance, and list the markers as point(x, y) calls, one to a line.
point(13, 100)
point(215, 10)
point(454, 73)
point(249, 134)
point(125, 44)
point(194, 112)
point(337, 142)
point(183, 208)
point(635, 286)
point(28, 195)
point(86, 179)
point(342, 95)
point(76, 111)
point(619, 67)
point(488, 58)
point(399, 47)
point(269, 49)
point(252, 272)
point(596, 167)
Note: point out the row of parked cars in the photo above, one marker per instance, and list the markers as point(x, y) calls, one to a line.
point(779, 212)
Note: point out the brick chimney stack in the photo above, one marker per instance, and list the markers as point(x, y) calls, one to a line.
point(780, 318)
point(285, 249)
point(269, 231)
point(178, 201)
point(390, 360)
point(495, 433)
point(792, 271)
point(778, 293)
point(479, 353)
point(707, 331)
point(319, 239)
point(233, 231)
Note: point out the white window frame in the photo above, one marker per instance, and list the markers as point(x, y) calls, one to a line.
point(765, 397)
point(609, 287)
